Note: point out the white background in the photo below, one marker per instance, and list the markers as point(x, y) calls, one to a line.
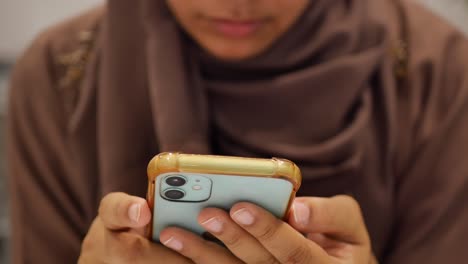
point(21, 20)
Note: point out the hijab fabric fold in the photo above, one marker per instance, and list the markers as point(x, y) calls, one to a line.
point(307, 98)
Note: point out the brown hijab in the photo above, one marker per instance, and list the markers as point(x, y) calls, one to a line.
point(308, 98)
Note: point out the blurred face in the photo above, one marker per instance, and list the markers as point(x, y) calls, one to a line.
point(236, 29)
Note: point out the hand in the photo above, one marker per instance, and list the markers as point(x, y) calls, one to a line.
point(117, 235)
point(334, 233)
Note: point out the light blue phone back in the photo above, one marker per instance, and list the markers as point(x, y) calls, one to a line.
point(224, 191)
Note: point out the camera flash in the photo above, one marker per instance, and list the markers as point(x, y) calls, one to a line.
point(196, 187)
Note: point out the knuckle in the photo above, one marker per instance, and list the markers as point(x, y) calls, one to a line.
point(233, 240)
point(299, 255)
point(113, 207)
point(200, 256)
point(268, 232)
point(269, 259)
point(350, 202)
point(105, 203)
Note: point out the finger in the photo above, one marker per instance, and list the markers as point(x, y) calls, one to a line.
point(333, 247)
point(281, 240)
point(196, 248)
point(235, 238)
point(339, 216)
point(102, 245)
point(120, 211)
point(125, 247)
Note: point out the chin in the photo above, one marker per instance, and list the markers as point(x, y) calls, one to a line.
point(234, 52)
point(233, 56)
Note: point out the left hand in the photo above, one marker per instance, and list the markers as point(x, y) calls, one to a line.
point(333, 228)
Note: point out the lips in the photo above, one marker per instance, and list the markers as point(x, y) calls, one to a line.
point(236, 29)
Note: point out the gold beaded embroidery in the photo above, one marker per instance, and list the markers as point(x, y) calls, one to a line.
point(400, 53)
point(75, 61)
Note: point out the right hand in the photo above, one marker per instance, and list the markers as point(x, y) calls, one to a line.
point(117, 235)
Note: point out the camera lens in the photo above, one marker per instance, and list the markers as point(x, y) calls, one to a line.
point(174, 194)
point(176, 181)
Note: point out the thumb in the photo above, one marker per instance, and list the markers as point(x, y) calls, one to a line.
point(339, 216)
point(120, 211)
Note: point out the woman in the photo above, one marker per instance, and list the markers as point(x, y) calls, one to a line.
point(369, 98)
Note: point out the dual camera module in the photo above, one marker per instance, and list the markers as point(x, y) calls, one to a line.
point(186, 187)
point(175, 181)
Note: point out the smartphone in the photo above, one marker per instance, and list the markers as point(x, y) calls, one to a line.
point(181, 185)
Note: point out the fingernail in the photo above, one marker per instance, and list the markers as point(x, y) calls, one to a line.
point(301, 213)
point(244, 217)
point(213, 225)
point(134, 212)
point(174, 244)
